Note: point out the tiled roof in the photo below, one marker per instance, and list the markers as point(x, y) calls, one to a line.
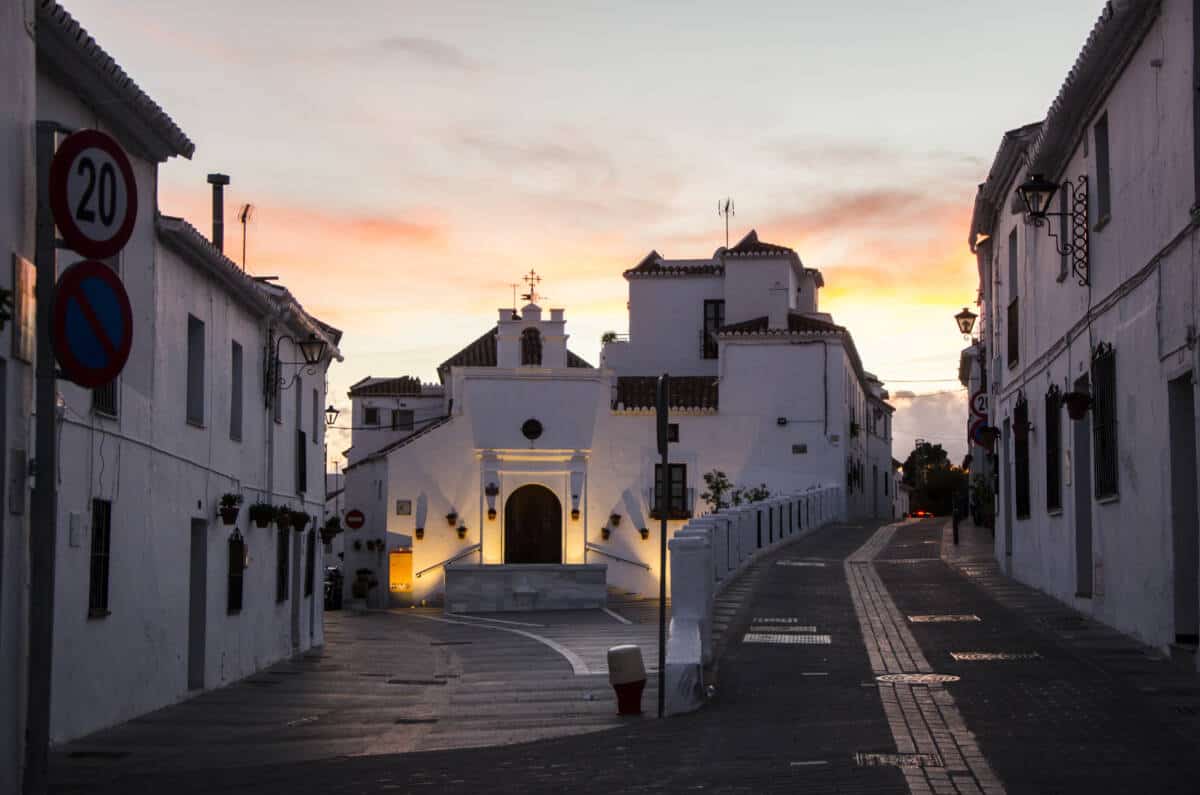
point(993, 193)
point(66, 48)
point(653, 264)
point(797, 323)
point(751, 246)
point(186, 241)
point(687, 392)
point(482, 353)
point(404, 386)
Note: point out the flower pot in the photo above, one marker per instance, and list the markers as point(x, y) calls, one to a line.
point(575, 513)
point(262, 521)
point(615, 519)
point(462, 531)
point(605, 533)
point(229, 515)
point(645, 531)
point(1078, 404)
point(420, 533)
point(491, 513)
point(451, 519)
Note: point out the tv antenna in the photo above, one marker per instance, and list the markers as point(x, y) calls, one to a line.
point(245, 215)
point(725, 208)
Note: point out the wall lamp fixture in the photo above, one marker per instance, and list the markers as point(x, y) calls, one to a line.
point(966, 321)
point(1037, 192)
point(331, 415)
point(312, 351)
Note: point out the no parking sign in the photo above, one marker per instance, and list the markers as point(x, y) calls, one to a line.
point(92, 323)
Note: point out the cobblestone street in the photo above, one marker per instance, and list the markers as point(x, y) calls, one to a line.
point(1044, 701)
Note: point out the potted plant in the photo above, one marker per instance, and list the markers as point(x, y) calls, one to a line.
point(299, 520)
point(333, 526)
point(462, 531)
point(420, 533)
point(575, 513)
point(718, 486)
point(491, 513)
point(370, 545)
point(380, 545)
point(615, 519)
point(261, 513)
point(645, 531)
point(283, 517)
point(229, 506)
point(452, 518)
point(605, 532)
point(1078, 404)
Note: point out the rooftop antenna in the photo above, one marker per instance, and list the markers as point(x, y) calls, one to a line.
point(725, 208)
point(245, 215)
point(514, 285)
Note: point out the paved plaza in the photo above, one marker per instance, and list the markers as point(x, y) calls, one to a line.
point(1035, 699)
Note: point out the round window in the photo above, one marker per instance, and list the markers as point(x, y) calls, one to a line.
point(532, 429)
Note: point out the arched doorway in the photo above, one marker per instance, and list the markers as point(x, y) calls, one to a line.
point(533, 526)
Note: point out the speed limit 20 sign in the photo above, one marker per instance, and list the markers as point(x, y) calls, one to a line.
point(93, 194)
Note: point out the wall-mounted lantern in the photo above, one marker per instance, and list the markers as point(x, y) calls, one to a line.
point(1037, 193)
point(331, 415)
point(966, 321)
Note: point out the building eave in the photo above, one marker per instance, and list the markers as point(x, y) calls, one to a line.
point(185, 240)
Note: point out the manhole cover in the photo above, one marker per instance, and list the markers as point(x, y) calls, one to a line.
point(990, 656)
point(917, 679)
point(898, 760)
point(943, 619)
point(787, 638)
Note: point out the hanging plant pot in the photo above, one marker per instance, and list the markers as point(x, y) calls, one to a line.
point(261, 513)
point(462, 531)
point(491, 513)
point(229, 515)
point(645, 531)
point(452, 518)
point(299, 521)
point(370, 545)
point(420, 533)
point(988, 437)
point(605, 532)
point(1078, 404)
point(575, 513)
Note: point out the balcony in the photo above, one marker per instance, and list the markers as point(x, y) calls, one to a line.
point(681, 507)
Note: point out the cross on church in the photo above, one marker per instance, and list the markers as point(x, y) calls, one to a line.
point(532, 279)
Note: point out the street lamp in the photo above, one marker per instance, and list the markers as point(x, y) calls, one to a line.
point(331, 415)
point(966, 321)
point(1036, 193)
point(312, 351)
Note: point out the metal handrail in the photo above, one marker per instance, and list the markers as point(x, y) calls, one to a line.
point(462, 554)
point(593, 548)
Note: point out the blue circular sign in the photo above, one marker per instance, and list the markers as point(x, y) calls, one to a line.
point(92, 324)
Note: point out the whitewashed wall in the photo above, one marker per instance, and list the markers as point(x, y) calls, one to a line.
point(367, 439)
point(666, 316)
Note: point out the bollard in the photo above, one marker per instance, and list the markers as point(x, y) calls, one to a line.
point(627, 674)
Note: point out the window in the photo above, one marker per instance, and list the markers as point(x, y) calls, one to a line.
point(237, 565)
point(195, 371)
point(531, 347)
point(402, 419)
point(1104, 419)
point(1014, 312)
point(714, 318)
point(235, 392)
point(370, 415)
point(281, 564)
point(1103, 195)
point(310, 560)
point(1021, 457)
point(316, 415)
point(676, 502)
point(301, 462)
point(673, 432)
point(101, 542)
point(104, 399)
point(1053, 435)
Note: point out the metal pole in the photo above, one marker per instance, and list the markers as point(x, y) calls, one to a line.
point(663, 403)
point(44, 505)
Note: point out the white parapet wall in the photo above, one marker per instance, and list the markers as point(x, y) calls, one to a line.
point(706, 555)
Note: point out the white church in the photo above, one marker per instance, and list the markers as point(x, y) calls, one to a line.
point(526, 479)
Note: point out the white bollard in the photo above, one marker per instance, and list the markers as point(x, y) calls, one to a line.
point(627, 675)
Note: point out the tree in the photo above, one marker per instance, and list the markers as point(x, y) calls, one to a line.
point(933, 480)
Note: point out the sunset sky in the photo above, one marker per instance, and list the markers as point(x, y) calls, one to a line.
point(409, 161)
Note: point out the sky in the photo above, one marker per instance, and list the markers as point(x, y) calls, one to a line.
point(409, 161)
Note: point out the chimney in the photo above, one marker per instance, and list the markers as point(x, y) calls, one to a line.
point(218, 181)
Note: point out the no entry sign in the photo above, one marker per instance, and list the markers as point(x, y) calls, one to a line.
point(92, 324)
point(355, 519)
point(93, 194)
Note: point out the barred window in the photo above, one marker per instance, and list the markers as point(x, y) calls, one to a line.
point(101, 543)
point(1021, 457)
point(237, 565)
point(1053, 436)
point(1104, 419)
point(104, 399)
point(281, 564)
point(310, 559)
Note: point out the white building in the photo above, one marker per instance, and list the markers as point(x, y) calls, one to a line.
point(157, 598)
point(1101, 512)
point(537, 457)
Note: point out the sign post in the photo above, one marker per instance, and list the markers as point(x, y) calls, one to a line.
point(662, 404)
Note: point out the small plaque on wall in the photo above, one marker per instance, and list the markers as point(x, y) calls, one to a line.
point(24, 320)
point(799, 449)
point(404, 507)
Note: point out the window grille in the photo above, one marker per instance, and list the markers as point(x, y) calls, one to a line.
point(1104, 419)
point(310, 559)
point(281, 563)
point(531, 347)
point(101, 545)
point(1053, 435)
point(104, 399)
point(1021, 457)
point(677, 492)
point(237, 566)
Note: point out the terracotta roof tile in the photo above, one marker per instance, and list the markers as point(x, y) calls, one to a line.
point(751, 246)
point(404, 386)
point(654, 265)
point(687, 392)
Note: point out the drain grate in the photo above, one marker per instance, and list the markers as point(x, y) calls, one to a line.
point(413, 721)
point(915, 679)
point(816, 564)
point(994, 656)
point(787, 638)
point(450, 643)
point(416, 681)
point(898, 760)
point(944, 619)
point(101, 755)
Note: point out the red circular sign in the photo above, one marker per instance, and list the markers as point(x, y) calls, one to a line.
point(92, 324)
point(979, 403)
point(355, 519)
point(93, 194)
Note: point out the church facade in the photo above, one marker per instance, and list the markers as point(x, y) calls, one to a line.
point(541, 472)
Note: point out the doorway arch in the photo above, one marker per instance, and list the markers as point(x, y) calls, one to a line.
point(532, 526)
